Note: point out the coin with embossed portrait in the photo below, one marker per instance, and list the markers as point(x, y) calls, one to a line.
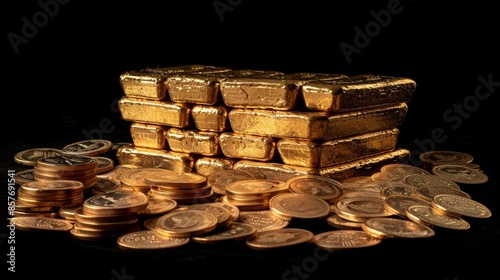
point(91, 147)
point(460, 173)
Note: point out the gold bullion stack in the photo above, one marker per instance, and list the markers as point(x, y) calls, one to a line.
point(205, 119)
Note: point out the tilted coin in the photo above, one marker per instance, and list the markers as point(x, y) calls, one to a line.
point(105, 164)
point(429, 192)
point(399, 189)
point(460, 174)
point(445, 157)
point(67, 162)
point(31, 156)
point(262, 220)
point(158, 205)
point(53, 187)
point(116, 202)
point(341, 223)
point(184, 223)
point(403, 169)
point(454, 204)
point(320, 186)
point(388, 227)
point(428, 215)
point(360, 208)
point(169, 178)
point(344, 239)
point(137, 178)
point(219, 180)
point(279, 238)
point(222, 213)
point(104, 185)
point(24, 176)
point(91, 147)
point(149, 239)
point(41, 223)
point(420, 180)
point(235, 231)
point(256, 187)
point(299, 205)
point(398, 203)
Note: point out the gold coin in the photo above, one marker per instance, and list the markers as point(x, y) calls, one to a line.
point(219, 180)
point(321, 186)
point(31, 156)
point(420, 180)
point(429, 192)
point(428, 215)
point(168, 178)
point(360, 208)
point(149, 240)
point(136, 178)
point(399, 189)
point(105, 164)
point(158, 205)
point(388, 227)
point(445, 157)
point(256, 187)
point(460, 173)
point(341, 223)
point(67, 162)
point(234, 231)
point(397, 204)
point(184, 223)
point(262, 220)
point(454, 204)
point(344, 239)
point(66, 188)
point(221, 213)
point(41, 223)
point(91, 147)
point(299, 205)
point(24, 176)
point(116, 202)
point(403, 169)
point(280, 238)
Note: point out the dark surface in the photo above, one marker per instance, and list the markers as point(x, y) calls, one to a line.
point(62, 83)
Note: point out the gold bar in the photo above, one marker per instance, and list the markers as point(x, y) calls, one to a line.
point(151, 83)
point(165, 113)
point(148, 136)
point(193, 141)
point(309, 153)
point(273, 170)
point(129, 155)
point(279, 124)
point(315, 125)
point(364, 91)
point(234, 145)
point(208, 165)
point(210, 118)
point(203, 88)
point(363, 121)
point(276, 92)
point(364, 167)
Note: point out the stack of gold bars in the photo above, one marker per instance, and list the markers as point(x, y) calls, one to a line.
point(204, 119)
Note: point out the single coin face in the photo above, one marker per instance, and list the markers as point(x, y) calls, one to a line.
point(104, 185)
point(360, 208)
point(403, 169)
point(219, 180)
point(344, 239)
point(169, 178)
point(262, 220)
point(420, 180)
point(388, 227)
point(279, 238)
point(398, 203)
point(299, 205)
point(24, 176)
point(67, 162)
point(105, 164)
point(31, 156)
point(450, 203)
point(235, 231)
point(460, 174)
point(429, 216)
point(116, 202)
point(91, 147)
point(184, 223)
point(222, 213)
point(41, 223)
point(256, 186)
point(53, 187)
point(429, 192)
point(399, 189)
point(149, 239)
point(445, 157)
point(320, 186)
point(158, 205)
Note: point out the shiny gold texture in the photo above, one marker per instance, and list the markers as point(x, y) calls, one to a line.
point(315, 125)
point(148, 135)
point(210, 118)
point(310, 153)
point(155, 112)
point(365, 166)
point(339, 95)
point(144, 157)
point(246, 146)
point(209, 165)
point(272, 170)
point(193, 141)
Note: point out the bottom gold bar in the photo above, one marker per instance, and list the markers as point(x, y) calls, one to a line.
point(131, 155)
point(362, 167)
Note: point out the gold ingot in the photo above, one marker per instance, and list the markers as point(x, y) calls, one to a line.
point(191, 141)
point(165, 113)
point(210, 118)
point(130, 155)
point(151, 83)
point(243, 146)
point(148, 135)
point(276, 92)
point(209, 165)
point(310, 153)
point(364, 167)
point(202, 88)
point(315, 125)
point(273, 170)
point(361, 92)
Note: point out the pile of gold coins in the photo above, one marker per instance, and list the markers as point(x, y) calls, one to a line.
point(205, 119)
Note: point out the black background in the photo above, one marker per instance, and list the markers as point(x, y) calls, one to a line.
point(64, 82)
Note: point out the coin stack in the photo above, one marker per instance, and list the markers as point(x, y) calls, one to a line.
point(200, 118)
